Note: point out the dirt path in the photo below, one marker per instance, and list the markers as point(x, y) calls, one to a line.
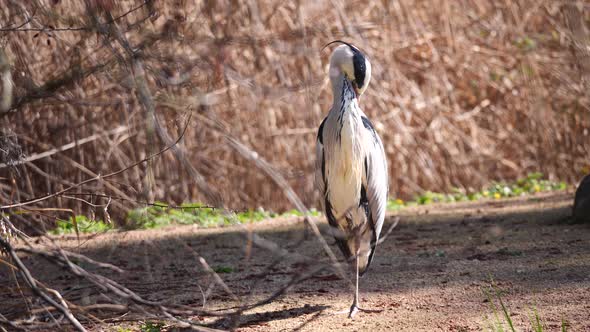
point(428, 276)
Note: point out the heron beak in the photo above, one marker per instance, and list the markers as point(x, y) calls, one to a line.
point(356, 91)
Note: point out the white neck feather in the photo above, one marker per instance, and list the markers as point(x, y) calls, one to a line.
point(342, 91)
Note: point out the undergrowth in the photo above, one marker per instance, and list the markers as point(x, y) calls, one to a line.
point(85, 225)
point(531, 184)
point(161, 214)
point(151, 327)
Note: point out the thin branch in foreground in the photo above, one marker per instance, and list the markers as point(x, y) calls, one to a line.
point(151, 308)
point(155, 204)
point(66, 147)
point(4, 321)
point(291, 195)
point(389, 230)
point(32, 282)
point(60, 29)
point(58, 193)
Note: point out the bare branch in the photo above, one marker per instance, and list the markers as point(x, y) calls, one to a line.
point(68, 146)
point(32, 282)
point(46, 197)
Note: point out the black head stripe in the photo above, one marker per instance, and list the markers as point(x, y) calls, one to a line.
point(360, 68)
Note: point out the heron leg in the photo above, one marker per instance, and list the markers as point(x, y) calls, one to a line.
point(354, 308)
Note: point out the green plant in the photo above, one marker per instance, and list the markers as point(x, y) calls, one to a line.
point(536, 321)
point(501, 315)
point(499, 321)
point(297, 213)
point(531, 184)
point(509, 252)
point(525, 43)
point(395, 204)
point(160, 214)
point(293, 212)
point(151, 327)
point(223, 269)
point(251, 216)
point(84, 224)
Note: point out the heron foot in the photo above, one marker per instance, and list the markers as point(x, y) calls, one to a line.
point(354, 309)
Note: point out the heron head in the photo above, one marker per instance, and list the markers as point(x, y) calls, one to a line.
point(349, 61)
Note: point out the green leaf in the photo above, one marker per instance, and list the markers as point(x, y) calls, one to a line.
point(223, 269)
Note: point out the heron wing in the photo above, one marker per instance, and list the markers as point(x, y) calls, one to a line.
point(376, 178)
point(321, 183)
point(320, 179)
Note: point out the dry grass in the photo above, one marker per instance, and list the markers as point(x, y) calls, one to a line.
point(463, 92)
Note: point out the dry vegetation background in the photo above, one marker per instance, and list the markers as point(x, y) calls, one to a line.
point(463, 92)
point(108, 105)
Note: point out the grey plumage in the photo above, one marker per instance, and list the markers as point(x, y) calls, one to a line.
point(351, 169)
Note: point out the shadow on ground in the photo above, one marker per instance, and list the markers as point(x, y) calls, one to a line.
point(435, 263)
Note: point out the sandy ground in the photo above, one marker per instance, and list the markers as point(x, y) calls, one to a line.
point(429, 275)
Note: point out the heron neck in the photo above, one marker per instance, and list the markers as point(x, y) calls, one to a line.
point(342, 90)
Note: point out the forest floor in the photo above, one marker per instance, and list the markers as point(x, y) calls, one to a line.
point(430, 274)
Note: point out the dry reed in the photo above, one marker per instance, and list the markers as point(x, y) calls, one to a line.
point(463, 93)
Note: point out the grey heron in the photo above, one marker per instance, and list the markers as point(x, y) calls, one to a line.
point(351, 169)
